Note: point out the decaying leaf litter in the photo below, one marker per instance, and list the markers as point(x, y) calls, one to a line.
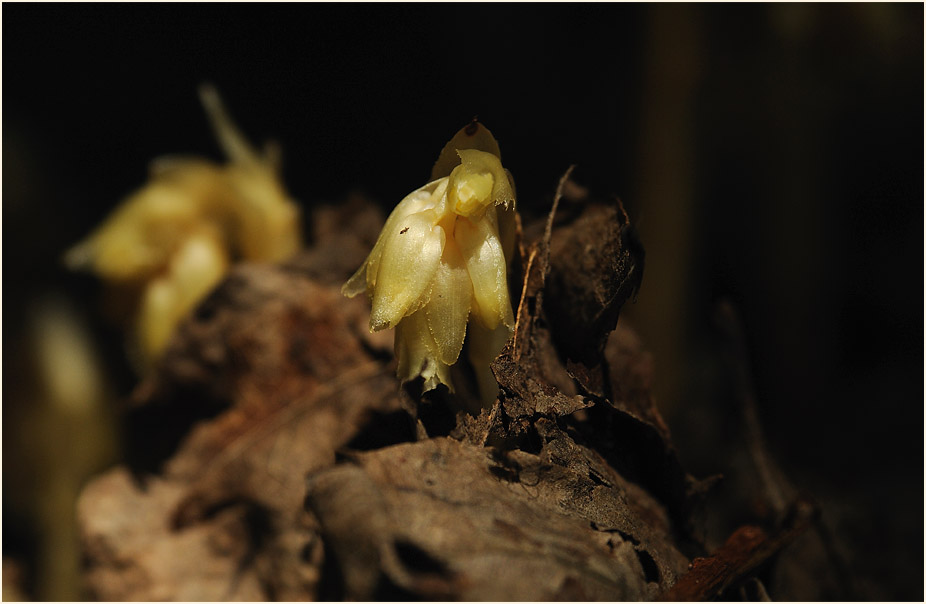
point(273, 456)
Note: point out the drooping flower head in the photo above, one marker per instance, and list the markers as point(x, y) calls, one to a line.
point(173, 240)
point(440, 264)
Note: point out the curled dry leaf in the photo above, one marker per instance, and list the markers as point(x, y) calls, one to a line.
point(442, 518)
point(262, 384)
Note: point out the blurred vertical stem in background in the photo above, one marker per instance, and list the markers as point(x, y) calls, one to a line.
point(665, 192)
point(159, 252)
point(63, 433)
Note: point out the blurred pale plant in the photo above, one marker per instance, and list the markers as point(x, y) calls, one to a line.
point(173, 240)
point(440, 265)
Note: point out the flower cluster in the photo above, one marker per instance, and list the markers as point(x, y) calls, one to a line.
point(170, 242)
point(440, 265)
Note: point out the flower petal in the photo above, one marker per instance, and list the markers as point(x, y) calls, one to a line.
point(416, 201)
point(472, 136)
point(194, 269)
point(410, 258)
point(358, 282)
point(477, 183)
point(449, 306)
point(485, 262)
point(416, 352)
point(509, 225)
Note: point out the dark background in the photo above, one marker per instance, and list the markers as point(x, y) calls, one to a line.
point(772, 155)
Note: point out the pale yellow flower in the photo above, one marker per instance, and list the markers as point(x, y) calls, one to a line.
point(439, 265)
point(173, 240)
